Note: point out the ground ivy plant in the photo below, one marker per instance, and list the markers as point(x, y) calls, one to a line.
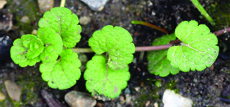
point(198, 49)
point(107, 72)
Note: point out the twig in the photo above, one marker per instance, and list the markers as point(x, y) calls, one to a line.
point(62, 3)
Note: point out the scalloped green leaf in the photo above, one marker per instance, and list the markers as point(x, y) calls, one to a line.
point(158, 63)
point(63, 22)
point(53, 44)
point(198, 49)
point(116, 42)
point(103, 80)
point(26, 50)
point(63, 73)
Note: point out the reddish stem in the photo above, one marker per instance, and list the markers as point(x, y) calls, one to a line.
point(151, 48)
point(220, 32)
point(160, 47)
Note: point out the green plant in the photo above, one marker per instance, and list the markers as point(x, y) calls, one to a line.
point(198, 49)
point(107, 72)
point(57, 33)
point(158, 62)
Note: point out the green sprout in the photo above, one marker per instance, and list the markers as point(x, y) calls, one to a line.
point(198, 49)
point(103, 80)
point(63, 22)
point(108, 74)
point(53, 44)
point(117, 42)
point(60, 66)
point(108, 71)
point(63, 73)
point(26, 50)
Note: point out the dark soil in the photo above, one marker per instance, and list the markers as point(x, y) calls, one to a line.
point(208, 88)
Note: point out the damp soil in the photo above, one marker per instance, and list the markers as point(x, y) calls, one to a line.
point(208, 88)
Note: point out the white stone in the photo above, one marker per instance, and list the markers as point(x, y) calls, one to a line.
point(2, 3)
point(171, 99)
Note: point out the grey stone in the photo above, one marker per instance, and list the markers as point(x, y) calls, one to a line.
point(45, 5)
point(13, 90)
point(96, 5)
point(79, 99)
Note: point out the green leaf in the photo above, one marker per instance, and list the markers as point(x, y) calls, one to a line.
point(158, 62)
point(117, 42)
point(26, 51)
point(63, 73)
point(103, 80)
point(198, 49)
point(53, 44)
point(63, 22)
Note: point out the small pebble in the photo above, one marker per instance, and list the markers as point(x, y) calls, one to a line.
point(79, 99)
point(127, 91)
point(45, 5)
point(147, 103)
point(2, 3)
point(13, 90)
point(128, 99)
point(85, 20)
point(137, 89)
point(25, 19)
point(155, 104)
point(2, 96)
point(122, 99)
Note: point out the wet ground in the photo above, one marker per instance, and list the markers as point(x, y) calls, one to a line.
point(208, 88)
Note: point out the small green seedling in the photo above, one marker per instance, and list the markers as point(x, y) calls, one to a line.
point(108, 71)
point(26, 50)
point(106, 74)
point(60, 66)
point(198, 49)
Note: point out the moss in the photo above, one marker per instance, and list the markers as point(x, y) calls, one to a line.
point(24, 8)
point(219, 10)
point(30, 81)
point(154, 93)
